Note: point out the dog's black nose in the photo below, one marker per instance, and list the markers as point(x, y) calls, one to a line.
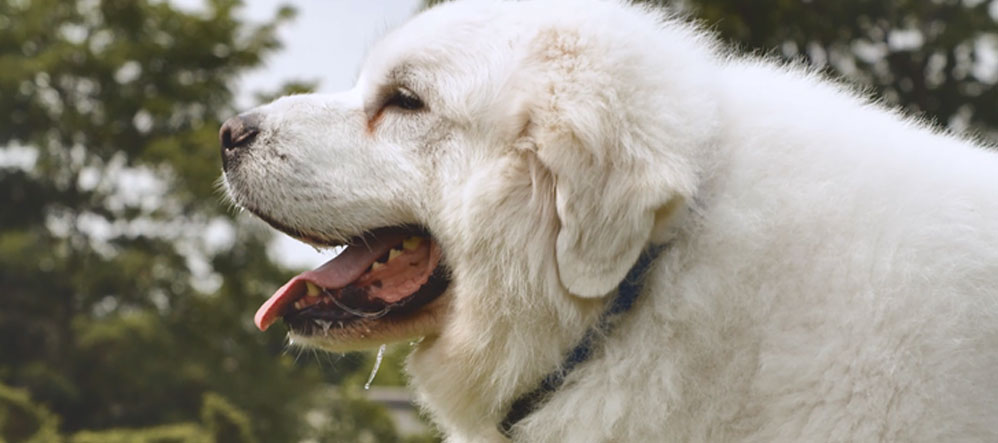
point(236, 136)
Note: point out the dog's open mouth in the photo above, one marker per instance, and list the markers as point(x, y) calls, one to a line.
point(389, 272)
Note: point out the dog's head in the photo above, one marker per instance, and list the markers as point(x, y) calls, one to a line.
point(498, 167)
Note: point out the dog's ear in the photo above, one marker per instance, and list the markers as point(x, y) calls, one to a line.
point(616, 176)
point(607, 209)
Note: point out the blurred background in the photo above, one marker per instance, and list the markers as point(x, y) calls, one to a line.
point(128, 284)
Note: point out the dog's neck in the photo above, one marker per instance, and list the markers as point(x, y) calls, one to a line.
point(499, 344)
point(627, 292)
point(489, 350)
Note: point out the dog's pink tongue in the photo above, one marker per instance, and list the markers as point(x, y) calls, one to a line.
point(334, 274)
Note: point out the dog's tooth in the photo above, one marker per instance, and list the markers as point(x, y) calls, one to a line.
point(299, 304)
point(376, 265)
point(393, 253)
point(412, 243)
point(312, 290)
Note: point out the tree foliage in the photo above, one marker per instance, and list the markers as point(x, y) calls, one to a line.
point(21, 420)
point(935, 58)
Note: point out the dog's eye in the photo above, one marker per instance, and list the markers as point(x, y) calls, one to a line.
point(404, 99)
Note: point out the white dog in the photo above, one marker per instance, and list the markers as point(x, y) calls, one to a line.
point(826, 268)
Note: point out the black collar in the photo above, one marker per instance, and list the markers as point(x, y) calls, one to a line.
point(627, 292)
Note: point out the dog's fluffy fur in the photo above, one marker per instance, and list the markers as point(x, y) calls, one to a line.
point(833, 268)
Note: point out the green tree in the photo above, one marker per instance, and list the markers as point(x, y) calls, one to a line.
point(21, 420)
point(126, 288)
point(934, 58)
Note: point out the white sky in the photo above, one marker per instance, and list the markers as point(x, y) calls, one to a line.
point(326, 42)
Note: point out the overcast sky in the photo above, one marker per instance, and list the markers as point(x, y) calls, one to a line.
point(326, 42)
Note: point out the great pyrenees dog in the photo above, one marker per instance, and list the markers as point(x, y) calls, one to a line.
point(604, 226)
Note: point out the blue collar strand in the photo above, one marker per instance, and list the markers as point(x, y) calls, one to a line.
point(627, 293)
